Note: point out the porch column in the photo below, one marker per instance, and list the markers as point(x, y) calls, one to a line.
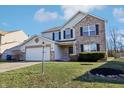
point(74, 48)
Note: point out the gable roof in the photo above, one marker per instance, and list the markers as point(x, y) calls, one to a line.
point(79, 12)
point(60, 27)
point(29, 39)
point(4, 32)
point(53, 29)
point(13, 31)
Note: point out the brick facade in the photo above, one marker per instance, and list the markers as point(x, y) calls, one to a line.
point(99, 39)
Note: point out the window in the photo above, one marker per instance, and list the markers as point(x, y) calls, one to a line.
point(93, 47)
point(89, 30)
point(68, 33)
point(70, 50)
point(92, 30)
point(90, 47)
point(57, 36)
point(86, 48)
point(85, 31)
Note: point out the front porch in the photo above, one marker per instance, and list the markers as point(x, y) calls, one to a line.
point(67, 48)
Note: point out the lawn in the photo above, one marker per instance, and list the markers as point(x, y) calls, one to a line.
point(63, 74)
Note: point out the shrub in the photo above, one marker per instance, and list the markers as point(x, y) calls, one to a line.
point(73, 57)
point(91, 56)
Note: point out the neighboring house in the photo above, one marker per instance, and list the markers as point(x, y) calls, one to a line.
point(9, 40)
point(82, 33)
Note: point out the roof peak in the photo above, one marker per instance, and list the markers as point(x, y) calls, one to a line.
point(52, 29)
point(2, 32)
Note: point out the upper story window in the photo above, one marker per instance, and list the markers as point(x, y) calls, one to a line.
point(56, 36)
point(89, 30)
point(68, 33)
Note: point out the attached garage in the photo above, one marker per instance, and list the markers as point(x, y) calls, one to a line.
point(33, 49)
point(36, 54)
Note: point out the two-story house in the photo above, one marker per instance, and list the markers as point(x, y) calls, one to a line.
point(82, 33)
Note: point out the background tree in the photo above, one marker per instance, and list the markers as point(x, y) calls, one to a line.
point(113, 41)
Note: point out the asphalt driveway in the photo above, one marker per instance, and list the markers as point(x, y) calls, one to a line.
point(15, 65)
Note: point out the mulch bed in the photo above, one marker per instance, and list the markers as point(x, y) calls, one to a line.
point(106, 72)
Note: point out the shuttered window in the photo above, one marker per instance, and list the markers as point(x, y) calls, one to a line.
point(89, 30)
point(56, 36)
point(91, 47)
point(68, 33)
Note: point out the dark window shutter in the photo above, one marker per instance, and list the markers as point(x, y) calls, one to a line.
point(81, 31)
point(71, 33)
point(97, 29)
point(82, 48)
point(64, 34)
point(53, 36)
point(98, 47)
point(59, 35)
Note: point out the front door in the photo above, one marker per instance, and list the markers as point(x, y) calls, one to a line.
point(70, 50)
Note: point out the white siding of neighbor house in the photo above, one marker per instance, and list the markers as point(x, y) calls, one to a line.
point(19, 36)
point(12, 39)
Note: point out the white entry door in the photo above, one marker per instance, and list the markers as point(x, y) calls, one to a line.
point(36, 54)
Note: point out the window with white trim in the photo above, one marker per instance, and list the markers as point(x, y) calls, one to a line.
point(89, 30)
point(68, 33)
point(90, 47)
point(56, 35)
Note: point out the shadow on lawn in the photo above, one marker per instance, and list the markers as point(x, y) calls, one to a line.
point(92, 78)
point(86, 64)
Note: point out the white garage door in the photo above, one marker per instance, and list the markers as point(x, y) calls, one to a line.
point(36, 54)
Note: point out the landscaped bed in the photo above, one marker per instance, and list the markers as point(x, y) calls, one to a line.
point(108, 73)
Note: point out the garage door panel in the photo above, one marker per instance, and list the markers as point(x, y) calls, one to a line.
point(36, 54)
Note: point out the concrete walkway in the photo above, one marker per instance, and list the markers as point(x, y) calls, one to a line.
point(15, 65)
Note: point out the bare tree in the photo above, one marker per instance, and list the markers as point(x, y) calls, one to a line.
point(121, 42)
point(113, 41)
